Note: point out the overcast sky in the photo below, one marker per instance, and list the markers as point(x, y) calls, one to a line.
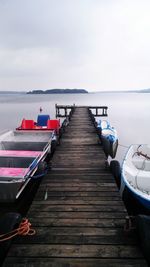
point(91, 44)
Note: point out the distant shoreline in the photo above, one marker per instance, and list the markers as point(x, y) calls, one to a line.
point(59, 91)
point(72, 91)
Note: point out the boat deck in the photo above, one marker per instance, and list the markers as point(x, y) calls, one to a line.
point(77, 212)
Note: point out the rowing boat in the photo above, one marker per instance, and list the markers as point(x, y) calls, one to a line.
point(135, 177)
point(21, 153)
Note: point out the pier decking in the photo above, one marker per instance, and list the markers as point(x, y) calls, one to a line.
point(77, 212)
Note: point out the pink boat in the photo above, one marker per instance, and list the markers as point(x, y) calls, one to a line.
point(21, 155)
point(16, 169)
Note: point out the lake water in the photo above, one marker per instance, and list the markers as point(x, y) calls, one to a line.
point(129, 113)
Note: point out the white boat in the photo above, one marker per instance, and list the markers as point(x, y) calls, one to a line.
point(21, 153)
point(108, 137)
point(135, 176)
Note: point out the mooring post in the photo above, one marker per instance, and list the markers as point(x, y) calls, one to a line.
point(105, 111)
point(56, 109)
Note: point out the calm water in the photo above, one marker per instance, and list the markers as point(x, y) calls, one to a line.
point(129, 113)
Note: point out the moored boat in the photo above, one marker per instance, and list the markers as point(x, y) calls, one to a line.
point(108, 137)
point(43, 123)
point(21, 156)
point(27, 140)
point(135, 176)
point(17, 168)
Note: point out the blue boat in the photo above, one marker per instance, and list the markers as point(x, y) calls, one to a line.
point(135, 176)
point(108, 137)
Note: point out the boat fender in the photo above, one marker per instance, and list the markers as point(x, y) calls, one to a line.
point(99, 131)
point(95, 124)
point(53, 145)
point(8, 223)
point(93, 119)
point(116, 171)
point(143, 228)
point(60, 132)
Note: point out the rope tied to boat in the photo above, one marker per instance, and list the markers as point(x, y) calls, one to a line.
point(123, 145)
point(23, 229)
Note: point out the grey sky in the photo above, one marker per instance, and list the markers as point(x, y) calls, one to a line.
point(92, 44)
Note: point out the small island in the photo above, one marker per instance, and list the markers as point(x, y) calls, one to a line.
point(59, 91)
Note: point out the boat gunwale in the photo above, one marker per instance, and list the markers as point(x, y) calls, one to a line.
point(142, 194)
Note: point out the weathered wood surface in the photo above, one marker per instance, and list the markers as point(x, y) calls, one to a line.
point(77, 212)
point(64, 110)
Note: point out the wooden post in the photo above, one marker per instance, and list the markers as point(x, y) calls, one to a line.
point(56, 109)
point(65, 111)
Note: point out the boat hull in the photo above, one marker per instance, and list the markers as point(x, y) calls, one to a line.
point(10, 191)
point(28, 140)
point(16, 171)
point(135, 203)
point(22, 157)
point(109, 147)
point(135, 178)
point(109, 139)
point(43, 124)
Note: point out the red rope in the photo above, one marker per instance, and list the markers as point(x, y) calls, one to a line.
point(23, 229)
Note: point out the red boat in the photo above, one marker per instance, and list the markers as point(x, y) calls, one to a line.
point(43, 123)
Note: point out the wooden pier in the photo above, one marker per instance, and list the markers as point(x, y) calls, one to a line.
point(64, 111)
point(77, 212)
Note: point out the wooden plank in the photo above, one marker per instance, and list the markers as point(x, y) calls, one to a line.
point(78, 214)
point(72, 262)
point(74, 177)
point(75, 208)
point(79, 203)
point(78, 251)
point(73, 196)
point(79, 189)
point(79, 222)
point(78, 235)
point(78, 179)
point(83, 184)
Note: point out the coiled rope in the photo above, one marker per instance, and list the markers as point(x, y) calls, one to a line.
point(23, 229)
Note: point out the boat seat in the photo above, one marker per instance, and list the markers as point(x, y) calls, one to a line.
point(138, 163)
point(131, 173)
point(18, 146)
point(141, 164)
point(27, 124)
point(143, 180)
point(53, 125)
point(147, 165)
point(42, 120)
